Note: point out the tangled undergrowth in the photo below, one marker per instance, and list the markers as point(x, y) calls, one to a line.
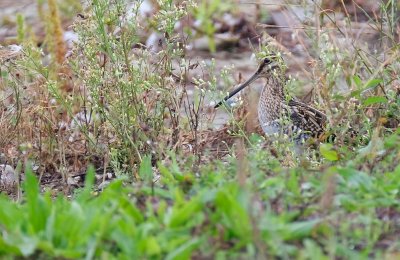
point(112, 106)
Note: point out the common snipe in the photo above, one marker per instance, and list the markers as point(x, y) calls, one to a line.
point(277, 111)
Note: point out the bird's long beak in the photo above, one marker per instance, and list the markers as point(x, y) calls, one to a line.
point(239, 88)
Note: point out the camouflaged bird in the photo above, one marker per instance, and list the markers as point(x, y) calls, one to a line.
point(279, 113)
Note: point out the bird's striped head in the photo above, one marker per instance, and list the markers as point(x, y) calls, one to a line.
point(269, 64)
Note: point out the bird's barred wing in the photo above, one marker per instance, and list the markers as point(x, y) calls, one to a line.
point(305, 117)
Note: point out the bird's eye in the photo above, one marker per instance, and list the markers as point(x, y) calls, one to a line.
point(267, 61)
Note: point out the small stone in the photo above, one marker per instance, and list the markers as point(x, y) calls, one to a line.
point(71, 181)
point(8, 178)
point(103, 185)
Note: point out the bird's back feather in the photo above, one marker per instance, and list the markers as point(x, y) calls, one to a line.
point(306, 118)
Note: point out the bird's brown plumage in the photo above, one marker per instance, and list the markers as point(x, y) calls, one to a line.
point(275, 106)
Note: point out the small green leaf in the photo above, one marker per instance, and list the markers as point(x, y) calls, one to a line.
point(357, 80)
point(235, 216)
point(374, 100)
point(182, 214)
point(293, 184)
point(301, 229)
point(131, 210)
point(166, 173)
point(313, 250)
point(89, 181)
point(373, 83)
point(328, 153)
point(31, 186)
point(355, 93)
point(150, 246)
point(90, 177)
point(369, 85)
point(145, 171)
point(185, 250)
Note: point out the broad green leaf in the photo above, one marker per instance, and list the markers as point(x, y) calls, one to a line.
point(89, 181)
point(370, 84)
point(26, 244)
point(131, 210)
point(313, 250)
point(38, 208)
point(374, 100)
point(373, 83)
point(293, 183)
point(150, 246)
point(11, 215)
point(356, 93)
point(328, 153)
point(236, 217)
point(184, 251)
point(182, 214)
point(346, 202)
point(301, 229)
point(167, 175)
point(90, 176)
point(7, 248)
point(31, 186)
point(392, 140)
point(145, 171)
point(356, 179)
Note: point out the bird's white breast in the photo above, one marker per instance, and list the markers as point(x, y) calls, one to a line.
point(268, 127)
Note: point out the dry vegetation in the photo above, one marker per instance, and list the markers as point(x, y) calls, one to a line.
point(122, 121)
